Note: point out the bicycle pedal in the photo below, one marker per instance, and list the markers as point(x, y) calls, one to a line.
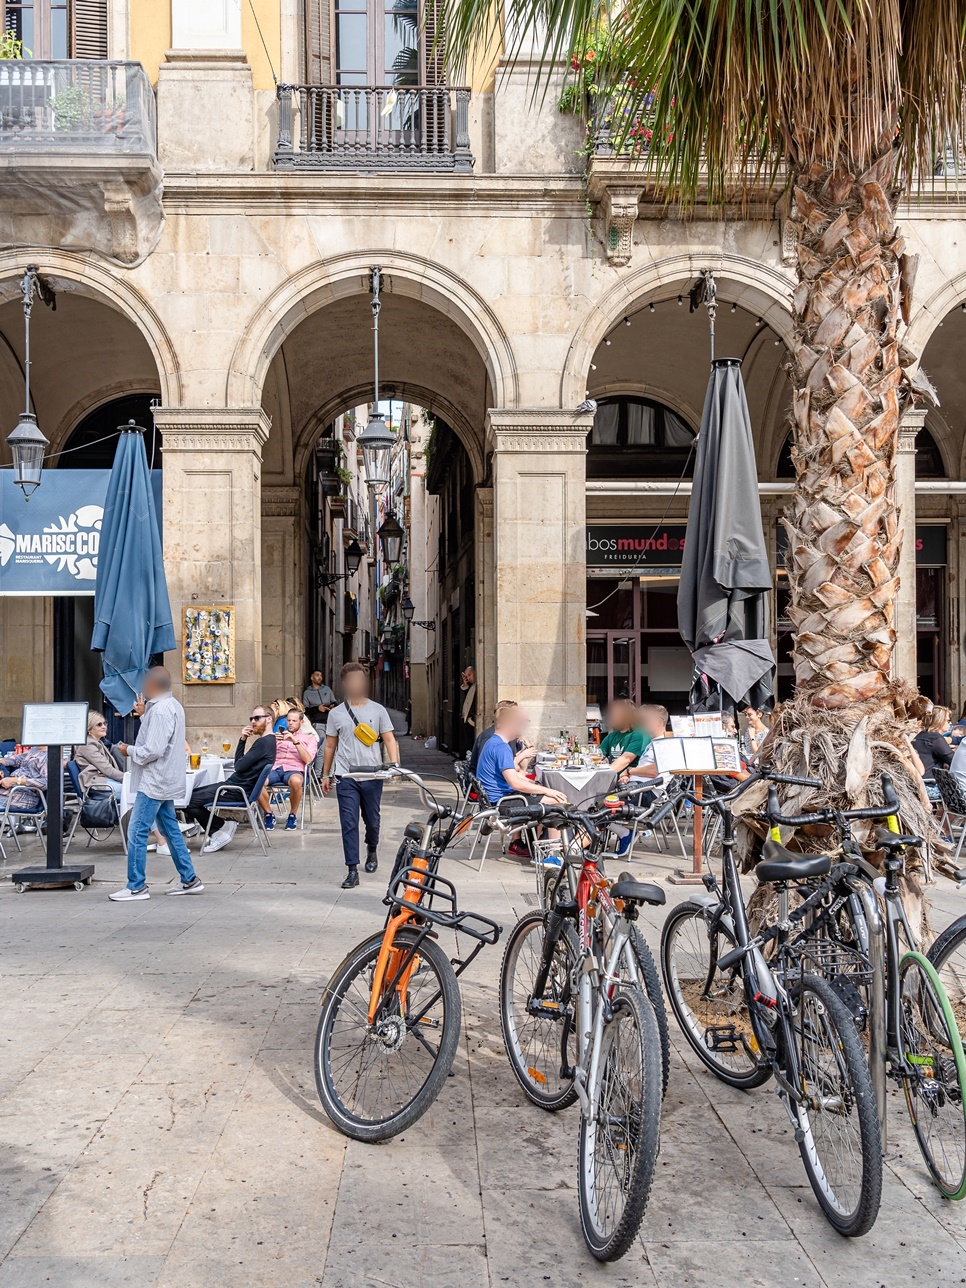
point(722, 1038)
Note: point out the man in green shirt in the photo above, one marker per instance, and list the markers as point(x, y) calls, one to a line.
point(625, 742)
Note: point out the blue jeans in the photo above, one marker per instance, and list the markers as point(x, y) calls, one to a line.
point(354, 795)
point(143, 817)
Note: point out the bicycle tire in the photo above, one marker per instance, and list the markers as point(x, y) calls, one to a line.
point(934, 1073)
point(948, 955)
point(699, 1016)
point(841, 1081)
point(430, 1068)
point(533, 1063)
point(652, 984)
point(629, 1115)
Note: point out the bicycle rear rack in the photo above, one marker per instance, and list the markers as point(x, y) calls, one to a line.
point(437, 904)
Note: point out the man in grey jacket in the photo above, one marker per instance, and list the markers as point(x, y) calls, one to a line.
point(159, 777)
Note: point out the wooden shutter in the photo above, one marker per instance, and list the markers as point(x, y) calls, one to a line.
point(318, 42)
point(432, 44)
point(88, 29)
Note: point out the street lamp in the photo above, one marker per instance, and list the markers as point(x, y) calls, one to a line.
point(391, 536)
point(408, 609)
point(27, 444)
point(353, 557)
point(376, 440)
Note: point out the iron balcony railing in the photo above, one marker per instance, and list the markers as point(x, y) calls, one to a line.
point(76, 105)
point(373, 127)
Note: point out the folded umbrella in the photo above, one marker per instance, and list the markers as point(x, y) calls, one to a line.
point(725, 573)
point(132, 614)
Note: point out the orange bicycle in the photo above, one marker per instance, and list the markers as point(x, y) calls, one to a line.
point(391, 1013)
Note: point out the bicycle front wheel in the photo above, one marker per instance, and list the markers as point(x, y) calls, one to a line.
point(619, 1142)
point(933, 1073)
point(539, 1033)
point(709, 1005)
point(375, 1080)
point(948, 955)
point(838, 1124)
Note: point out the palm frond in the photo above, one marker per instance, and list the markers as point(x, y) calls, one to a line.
point(731, 88)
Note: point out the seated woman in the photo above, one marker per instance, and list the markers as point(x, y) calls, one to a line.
point(931, 746)
point(98, 768)
point(26, 779)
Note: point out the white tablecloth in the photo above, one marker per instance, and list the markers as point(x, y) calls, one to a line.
point(580, 786)
point(212, 771)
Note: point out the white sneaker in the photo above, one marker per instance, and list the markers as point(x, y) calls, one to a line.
point(164, 850)
point(126, 896)
point(194, 886)
point(218, 841)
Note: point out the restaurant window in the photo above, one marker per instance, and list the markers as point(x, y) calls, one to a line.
point(638, 437)
point(59, 28)
point(372, 42)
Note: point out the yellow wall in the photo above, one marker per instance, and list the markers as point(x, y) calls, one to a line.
point(151, 36)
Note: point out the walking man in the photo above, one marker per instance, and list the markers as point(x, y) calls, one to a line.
point(159, 777)
point(349, 743)
point(249, 763)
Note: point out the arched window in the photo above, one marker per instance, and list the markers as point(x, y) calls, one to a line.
point(92, 443)
point(929, 460)
point(639, 438)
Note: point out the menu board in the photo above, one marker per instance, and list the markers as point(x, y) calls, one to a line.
point(54, 724)
point(697, 755)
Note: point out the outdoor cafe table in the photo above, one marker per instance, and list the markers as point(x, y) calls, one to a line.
point(212, 771)
point(580, 786)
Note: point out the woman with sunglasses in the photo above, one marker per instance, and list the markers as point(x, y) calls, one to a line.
point(98, 768)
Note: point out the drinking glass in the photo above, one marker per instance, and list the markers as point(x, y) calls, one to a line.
point(194, 760)
point(226, 745)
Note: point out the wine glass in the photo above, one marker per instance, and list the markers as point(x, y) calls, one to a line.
point(226, 745)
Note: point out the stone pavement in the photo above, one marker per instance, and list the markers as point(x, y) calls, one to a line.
point(160, 1126)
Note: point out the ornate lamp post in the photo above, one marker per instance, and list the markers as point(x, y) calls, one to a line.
point(391, 536)
point(27, 444)
point(376, 440)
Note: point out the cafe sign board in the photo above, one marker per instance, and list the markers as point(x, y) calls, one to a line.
point(49, 544)
point(628, 546)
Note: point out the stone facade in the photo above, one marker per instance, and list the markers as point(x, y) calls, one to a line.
point(505, 298)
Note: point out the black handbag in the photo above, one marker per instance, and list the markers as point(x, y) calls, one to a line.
point(100, 810)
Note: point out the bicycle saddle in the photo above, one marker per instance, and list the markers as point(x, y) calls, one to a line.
point(632, 891)
point(779, 864)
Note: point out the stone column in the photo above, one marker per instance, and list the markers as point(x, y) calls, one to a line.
point(206, 102)
point(212, 532)
point(539, 563)
point(284, 669)
point(485, 608)
point(904, 655)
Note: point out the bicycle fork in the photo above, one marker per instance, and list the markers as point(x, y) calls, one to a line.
point(592, 1020)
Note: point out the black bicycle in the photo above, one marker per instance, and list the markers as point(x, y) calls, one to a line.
point(750, 1019)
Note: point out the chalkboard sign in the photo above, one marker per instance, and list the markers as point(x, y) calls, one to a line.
point(54, 724)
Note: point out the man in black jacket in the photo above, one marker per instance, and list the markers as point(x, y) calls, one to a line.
point(248, 767)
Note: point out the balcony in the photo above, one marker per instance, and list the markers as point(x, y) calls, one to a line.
point(372, 128)
point(78, 157)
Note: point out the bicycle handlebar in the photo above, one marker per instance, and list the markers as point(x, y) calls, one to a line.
point(890, 805)
point(392, 770)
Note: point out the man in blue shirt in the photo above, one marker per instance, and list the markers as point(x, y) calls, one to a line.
point(496, 770)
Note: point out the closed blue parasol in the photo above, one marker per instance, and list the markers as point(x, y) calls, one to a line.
point(132, 615)
point(725, 575)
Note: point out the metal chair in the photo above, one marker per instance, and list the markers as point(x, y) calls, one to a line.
point(279, 794)
point(82, 793)
point(247, 805)
point(954, 805)
point(38, 813)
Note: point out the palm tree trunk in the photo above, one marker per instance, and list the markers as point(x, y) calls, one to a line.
point(843, 523)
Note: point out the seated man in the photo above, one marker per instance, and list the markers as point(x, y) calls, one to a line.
point(653, 721)
point(295, 748)
point(497, 772)
point(626, 740)
point(248, 766)
point(522, 750)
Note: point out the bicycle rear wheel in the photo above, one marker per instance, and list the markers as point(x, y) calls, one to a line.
point(541, 1047)
point(934, 1073)
point(375, 1080)
point(618, 1145)
point(838, 1123)
point(652, 984)
point(709, 1006)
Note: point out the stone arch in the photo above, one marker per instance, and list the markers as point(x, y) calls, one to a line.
point(310, 432)
point(326, 282)
point(758, 288)
point(928, 317)
point(94, 280)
